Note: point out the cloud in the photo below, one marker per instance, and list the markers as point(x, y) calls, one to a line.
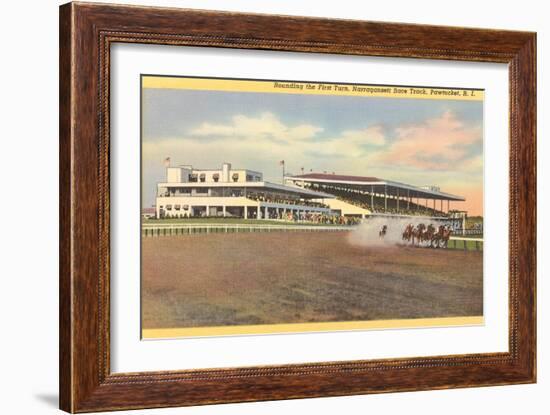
point(435, 144)
point(373, 135)
point(267, 125)
point(444, 144)
point(473, 165)
point(268, 133)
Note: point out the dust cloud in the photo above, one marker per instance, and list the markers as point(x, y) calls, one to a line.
point(367, 233)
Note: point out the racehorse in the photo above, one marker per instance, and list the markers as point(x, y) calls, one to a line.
point(383, 231)
point(408, 233)
point(428, 236)
point(418, 233)
point(423, 234)
point(441, 238)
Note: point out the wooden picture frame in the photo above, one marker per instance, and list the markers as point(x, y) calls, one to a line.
point(86, 33)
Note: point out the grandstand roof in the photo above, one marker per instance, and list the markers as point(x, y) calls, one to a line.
point(338, 177)
point(379, 185)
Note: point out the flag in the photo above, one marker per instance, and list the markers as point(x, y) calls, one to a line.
point(282, 163)
point(167, 162)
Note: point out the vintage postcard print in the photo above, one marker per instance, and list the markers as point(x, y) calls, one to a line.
point(277, 206)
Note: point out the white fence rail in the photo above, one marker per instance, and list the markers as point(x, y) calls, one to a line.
point(191, 229)
point(468, 231)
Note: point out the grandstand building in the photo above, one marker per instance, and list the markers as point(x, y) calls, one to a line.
point(227, 192)
point(361, 196)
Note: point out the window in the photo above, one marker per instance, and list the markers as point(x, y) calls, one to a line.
point(202, 177)
point(235, 177)
point(216, 177)
point(193, 178)
point(168, 207)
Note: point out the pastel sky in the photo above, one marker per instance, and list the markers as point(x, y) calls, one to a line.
point(416, 141)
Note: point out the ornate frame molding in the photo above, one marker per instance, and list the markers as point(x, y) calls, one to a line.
point(86, 33)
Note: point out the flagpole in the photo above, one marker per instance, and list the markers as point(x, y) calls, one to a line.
point(283, 162)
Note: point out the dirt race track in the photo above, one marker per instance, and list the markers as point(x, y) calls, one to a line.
point(272, 278)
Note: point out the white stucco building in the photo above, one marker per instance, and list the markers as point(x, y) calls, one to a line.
point(227, 192)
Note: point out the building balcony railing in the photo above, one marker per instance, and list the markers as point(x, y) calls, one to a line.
point(256, 198)
point(287, 201)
